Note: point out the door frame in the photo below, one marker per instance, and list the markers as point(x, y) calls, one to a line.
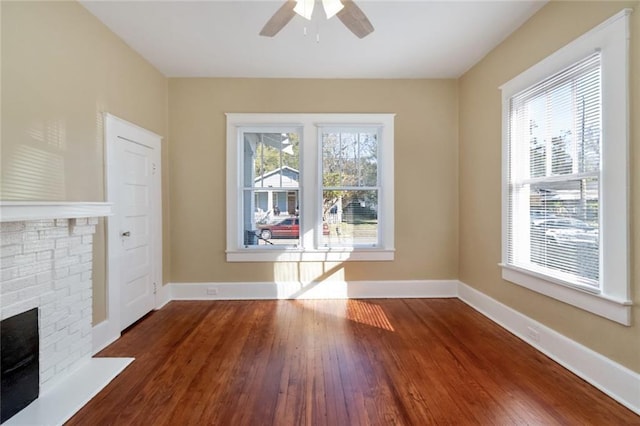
point(118, 129)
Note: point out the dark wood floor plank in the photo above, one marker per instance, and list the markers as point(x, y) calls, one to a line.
point(514, 373)
point(476, 391)
point(336, 362)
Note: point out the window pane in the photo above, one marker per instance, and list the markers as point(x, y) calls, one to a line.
point(564, 228)
point(350, 158)
point(271, 196)
point(588, 121)
point(350, 218)
point(537, 143)
point(271, 160)
point(560, 121)
point(275, 226)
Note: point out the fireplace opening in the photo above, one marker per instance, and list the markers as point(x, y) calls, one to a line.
point(20, 366)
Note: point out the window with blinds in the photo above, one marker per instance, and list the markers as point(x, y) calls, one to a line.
point(554, 156)
point(565, 173)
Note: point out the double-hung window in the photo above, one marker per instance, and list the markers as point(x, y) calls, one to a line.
point(316, 187)
point(565, 144)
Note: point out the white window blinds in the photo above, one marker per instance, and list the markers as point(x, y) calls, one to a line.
point(554, 141)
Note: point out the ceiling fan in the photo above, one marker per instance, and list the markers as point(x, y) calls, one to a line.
point(346, 10)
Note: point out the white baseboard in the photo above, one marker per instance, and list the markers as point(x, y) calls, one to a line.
point(314, 290)
point(103, 336)
point(613, 379)
point(163, 296)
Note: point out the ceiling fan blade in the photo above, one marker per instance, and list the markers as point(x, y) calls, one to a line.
point(279, 19)
point(355, 19)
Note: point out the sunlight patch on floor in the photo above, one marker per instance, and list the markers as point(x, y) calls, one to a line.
point(368, 314)
point(359, 311)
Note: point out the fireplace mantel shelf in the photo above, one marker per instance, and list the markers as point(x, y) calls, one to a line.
point(17, 211)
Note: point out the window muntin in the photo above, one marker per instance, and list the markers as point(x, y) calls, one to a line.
point(554, 175)
point(350, 186)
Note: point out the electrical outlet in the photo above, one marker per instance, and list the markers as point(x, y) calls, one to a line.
point(533, 334)
point(212, 291)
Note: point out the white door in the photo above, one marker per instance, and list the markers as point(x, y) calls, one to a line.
point(134, 231)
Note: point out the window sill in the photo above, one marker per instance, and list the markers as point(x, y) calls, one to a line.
point(600, 304)
point(319, 255)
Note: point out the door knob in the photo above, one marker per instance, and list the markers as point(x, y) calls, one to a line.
point(126, 234)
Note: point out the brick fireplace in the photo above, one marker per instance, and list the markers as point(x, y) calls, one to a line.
point(46, 264)
point(46, 257)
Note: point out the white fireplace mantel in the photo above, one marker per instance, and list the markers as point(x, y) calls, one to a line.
point(17, 211)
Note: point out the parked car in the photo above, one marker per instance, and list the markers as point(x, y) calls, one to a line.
point(286, 228)
point(565, 229)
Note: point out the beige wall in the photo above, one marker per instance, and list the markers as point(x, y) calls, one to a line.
point(480, 165)
point(426, 152)
point(61, 68)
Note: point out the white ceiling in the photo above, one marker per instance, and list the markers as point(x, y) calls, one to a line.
point(412, 39)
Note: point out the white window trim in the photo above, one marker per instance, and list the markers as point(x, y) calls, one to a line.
point(613, 299)
point(309, 187)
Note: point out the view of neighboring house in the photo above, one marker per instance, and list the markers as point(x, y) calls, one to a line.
point(279, 200)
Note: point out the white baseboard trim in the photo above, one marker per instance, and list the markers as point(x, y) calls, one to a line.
point(103, 336)
point(314, 290)
point(163, 296)
point(613, 379)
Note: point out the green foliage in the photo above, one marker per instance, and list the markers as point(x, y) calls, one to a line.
point(348, 160)
point(269, 158)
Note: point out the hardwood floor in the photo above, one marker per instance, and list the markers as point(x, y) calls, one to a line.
point(337, 362)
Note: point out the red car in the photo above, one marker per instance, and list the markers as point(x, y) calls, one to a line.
point(286, 228)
